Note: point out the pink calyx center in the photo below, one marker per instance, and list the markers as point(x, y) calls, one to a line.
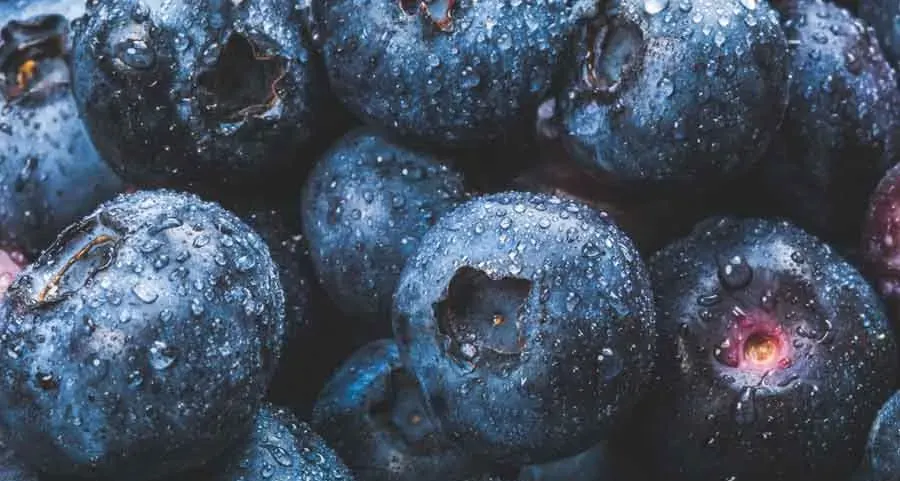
point(755, 342)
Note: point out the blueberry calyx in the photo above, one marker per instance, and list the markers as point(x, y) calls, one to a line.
point(244, 81)
point(439, 12)
point(480, 315)
point(32, 55)
point(612, 58)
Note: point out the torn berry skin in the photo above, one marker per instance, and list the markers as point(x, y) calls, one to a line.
point(229, 92)
point(775, 356)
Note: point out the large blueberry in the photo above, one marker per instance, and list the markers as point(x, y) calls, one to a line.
point(200, 93)
point(141, 341)
point(775, 356)
point(842, 129)
point(450, 72)
point(50, 174)
point(372, 412)
point(679, 90)
point(279, 448)
point(367, 203)
point(528, 321)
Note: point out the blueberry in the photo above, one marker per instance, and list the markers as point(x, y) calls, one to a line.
point(673, 91)
point(280, 448)
point(882, 16)
point(140, 342)
point(528, 321)
point(881, 241)
point(842, 128)
point(775, 355)
point(207, 94)
point(448, 72)
point(372, 412)
point(50, 174)
point(366, 204)
point(882, 456)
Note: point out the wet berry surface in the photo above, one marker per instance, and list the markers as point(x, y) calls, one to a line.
point(449, 240)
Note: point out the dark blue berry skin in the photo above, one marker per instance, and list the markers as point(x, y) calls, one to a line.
point(672, 91)
point(592, 465)
point(372, 412)
point(279, 448)
point(140, 343)
point(881, 15)
point(528, 321)
point(11, 469)
point(201, 94)
point(50, 174)
point(775, 356)
point(456, 73)
point(842, 128)
point(881, 461)
point(367, 203)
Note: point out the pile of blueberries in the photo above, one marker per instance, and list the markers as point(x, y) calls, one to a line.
point(449, 240)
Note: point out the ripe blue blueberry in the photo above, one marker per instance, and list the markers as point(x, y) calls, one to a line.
point(775, 356)
point(529, 323)
point(447, 72)
point(842, 128)
point(207, 95)
point(366, 204)
point(372, 412)
point(50, 173)
point(673, 91)
point(140, 343)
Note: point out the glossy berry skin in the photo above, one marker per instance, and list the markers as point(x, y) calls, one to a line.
point(201, 94)
point(139, 344)
point(775, 355)
point(674, 91)
point(842, 128)
point(278, 223)
point(881, 241)
point(279, 448)
point(372, 412)
point(50, 173)
point(454, 73)
point(882, 456)
point(882, 15)
point(528, 321)
point(367, 203)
